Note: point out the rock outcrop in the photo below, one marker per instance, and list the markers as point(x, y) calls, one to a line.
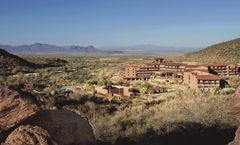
point(65, 127)
point(234, 104)
point(22, 121)
point(234, 109)
point(15, 107)
point(29, 135)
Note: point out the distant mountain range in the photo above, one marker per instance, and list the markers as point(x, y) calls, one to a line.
point(54, 49)
point(148, 48)
point(225, 52)
point(40, 48)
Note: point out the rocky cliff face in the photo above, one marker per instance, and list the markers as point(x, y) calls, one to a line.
point(29, 135)
point(22, 121)
point(15, 108)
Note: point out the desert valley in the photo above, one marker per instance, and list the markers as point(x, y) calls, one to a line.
point(119, 72)
point(121, 98)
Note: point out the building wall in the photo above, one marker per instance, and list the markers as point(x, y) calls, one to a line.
point(190, 78)
point(224, 70)
point(114, 91)
point(126, 92)
point(101, 90)
point(128, 72)
point(218, 69)
point(233, 70)
point(187, 78)
point(209, 84)
point(194, 82)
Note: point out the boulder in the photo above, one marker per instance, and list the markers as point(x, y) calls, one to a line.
point(15, 107)
point(234, 109)
point(65, 127)
point(29, 135)
point(234, 104)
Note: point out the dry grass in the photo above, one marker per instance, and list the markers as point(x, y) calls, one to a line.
point(226, 52)
point(206, 108)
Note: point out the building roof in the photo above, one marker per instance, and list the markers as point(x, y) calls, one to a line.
point(199, 72)
point(214, 64)
point(195, 66)
point(164, 71)
point(208, 77)
point(192, 70)
point(172, 63)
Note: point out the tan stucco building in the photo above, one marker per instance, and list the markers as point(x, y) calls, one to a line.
point(195, 75)
point(118, 91)
point(201, 80)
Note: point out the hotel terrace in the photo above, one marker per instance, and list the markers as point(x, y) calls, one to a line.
point(196, 76)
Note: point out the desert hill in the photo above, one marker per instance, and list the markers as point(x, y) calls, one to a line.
point(11, 64)
point(8, 61)
point(226, 52)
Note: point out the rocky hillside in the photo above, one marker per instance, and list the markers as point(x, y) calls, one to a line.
point(9, 60)
point(10, 64)
point(226, 52)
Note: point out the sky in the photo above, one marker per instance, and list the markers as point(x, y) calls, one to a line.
point(112, 23)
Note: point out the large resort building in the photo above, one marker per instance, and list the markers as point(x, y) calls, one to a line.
point(201, 76)
point(144, 70)
point(202, 80)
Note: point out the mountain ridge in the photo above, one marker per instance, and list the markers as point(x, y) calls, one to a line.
point(152, 48)
point(49, 48)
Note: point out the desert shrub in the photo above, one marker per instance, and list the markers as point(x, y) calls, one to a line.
point(92, 82)
point(142, 86)
point(234, 81)
point(227, 91)
point(206, 108)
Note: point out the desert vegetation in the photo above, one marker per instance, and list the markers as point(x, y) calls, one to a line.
point(225, 52)
point(69, 86)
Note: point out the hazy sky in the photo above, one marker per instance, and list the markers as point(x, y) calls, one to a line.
point(190, 23)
